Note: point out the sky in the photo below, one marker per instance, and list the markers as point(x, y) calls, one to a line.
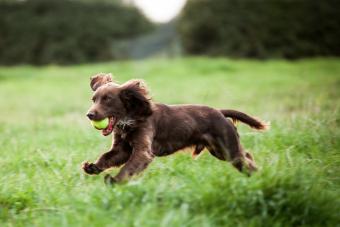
point(160, 11)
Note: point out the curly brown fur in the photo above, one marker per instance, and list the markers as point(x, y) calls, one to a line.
point(144, 129)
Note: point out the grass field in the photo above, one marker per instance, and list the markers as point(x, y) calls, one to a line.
point(45, 136)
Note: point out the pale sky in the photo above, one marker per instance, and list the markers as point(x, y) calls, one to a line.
point(160, 10)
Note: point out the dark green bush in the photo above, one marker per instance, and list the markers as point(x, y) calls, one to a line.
point(261, 28)
point(63, 31)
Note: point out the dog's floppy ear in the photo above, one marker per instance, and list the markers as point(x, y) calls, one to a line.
point(99, 80)
point(134, 96)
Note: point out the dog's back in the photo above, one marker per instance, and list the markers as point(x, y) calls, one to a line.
point(180, 126)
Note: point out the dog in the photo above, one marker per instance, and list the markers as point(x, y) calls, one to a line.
point(143, 129)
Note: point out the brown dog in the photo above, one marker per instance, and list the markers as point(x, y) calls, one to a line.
point(144, 129)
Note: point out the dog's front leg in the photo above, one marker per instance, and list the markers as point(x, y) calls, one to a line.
point(136, 164)
point(140, 158)
point(118, 155)
point(113, 158)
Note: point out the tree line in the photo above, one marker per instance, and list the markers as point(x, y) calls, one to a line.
point(261, 28)
point(64, 31)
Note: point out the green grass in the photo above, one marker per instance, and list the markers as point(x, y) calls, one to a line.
point(45, 136)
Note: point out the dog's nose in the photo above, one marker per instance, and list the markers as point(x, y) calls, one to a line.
point(90, 115)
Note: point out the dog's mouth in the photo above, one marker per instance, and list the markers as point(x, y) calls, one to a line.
point(108, 130)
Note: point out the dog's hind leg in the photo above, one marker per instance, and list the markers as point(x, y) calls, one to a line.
point(251, 162)
point(238, 158)
point(225, 145)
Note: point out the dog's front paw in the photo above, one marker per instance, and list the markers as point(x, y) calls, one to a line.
point(91, 168)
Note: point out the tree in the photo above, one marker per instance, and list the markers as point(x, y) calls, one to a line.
point(261, 28)
point(63, 31)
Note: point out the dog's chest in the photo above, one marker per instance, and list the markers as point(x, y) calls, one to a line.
point(124, 127)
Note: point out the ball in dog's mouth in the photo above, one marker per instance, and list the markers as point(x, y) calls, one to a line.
point(106, 125)
point(108, 130)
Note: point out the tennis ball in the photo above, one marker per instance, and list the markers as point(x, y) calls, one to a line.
point(101, 124)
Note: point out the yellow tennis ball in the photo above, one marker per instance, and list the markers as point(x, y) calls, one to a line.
point(101, 124)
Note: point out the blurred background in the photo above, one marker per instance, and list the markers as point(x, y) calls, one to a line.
point(79, 31)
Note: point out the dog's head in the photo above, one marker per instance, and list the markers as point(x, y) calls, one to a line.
point(117, 102)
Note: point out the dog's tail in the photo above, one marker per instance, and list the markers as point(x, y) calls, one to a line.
point(251, 121)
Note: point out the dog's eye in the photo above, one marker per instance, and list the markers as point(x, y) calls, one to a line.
point(106, 98)
point(93, 99)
